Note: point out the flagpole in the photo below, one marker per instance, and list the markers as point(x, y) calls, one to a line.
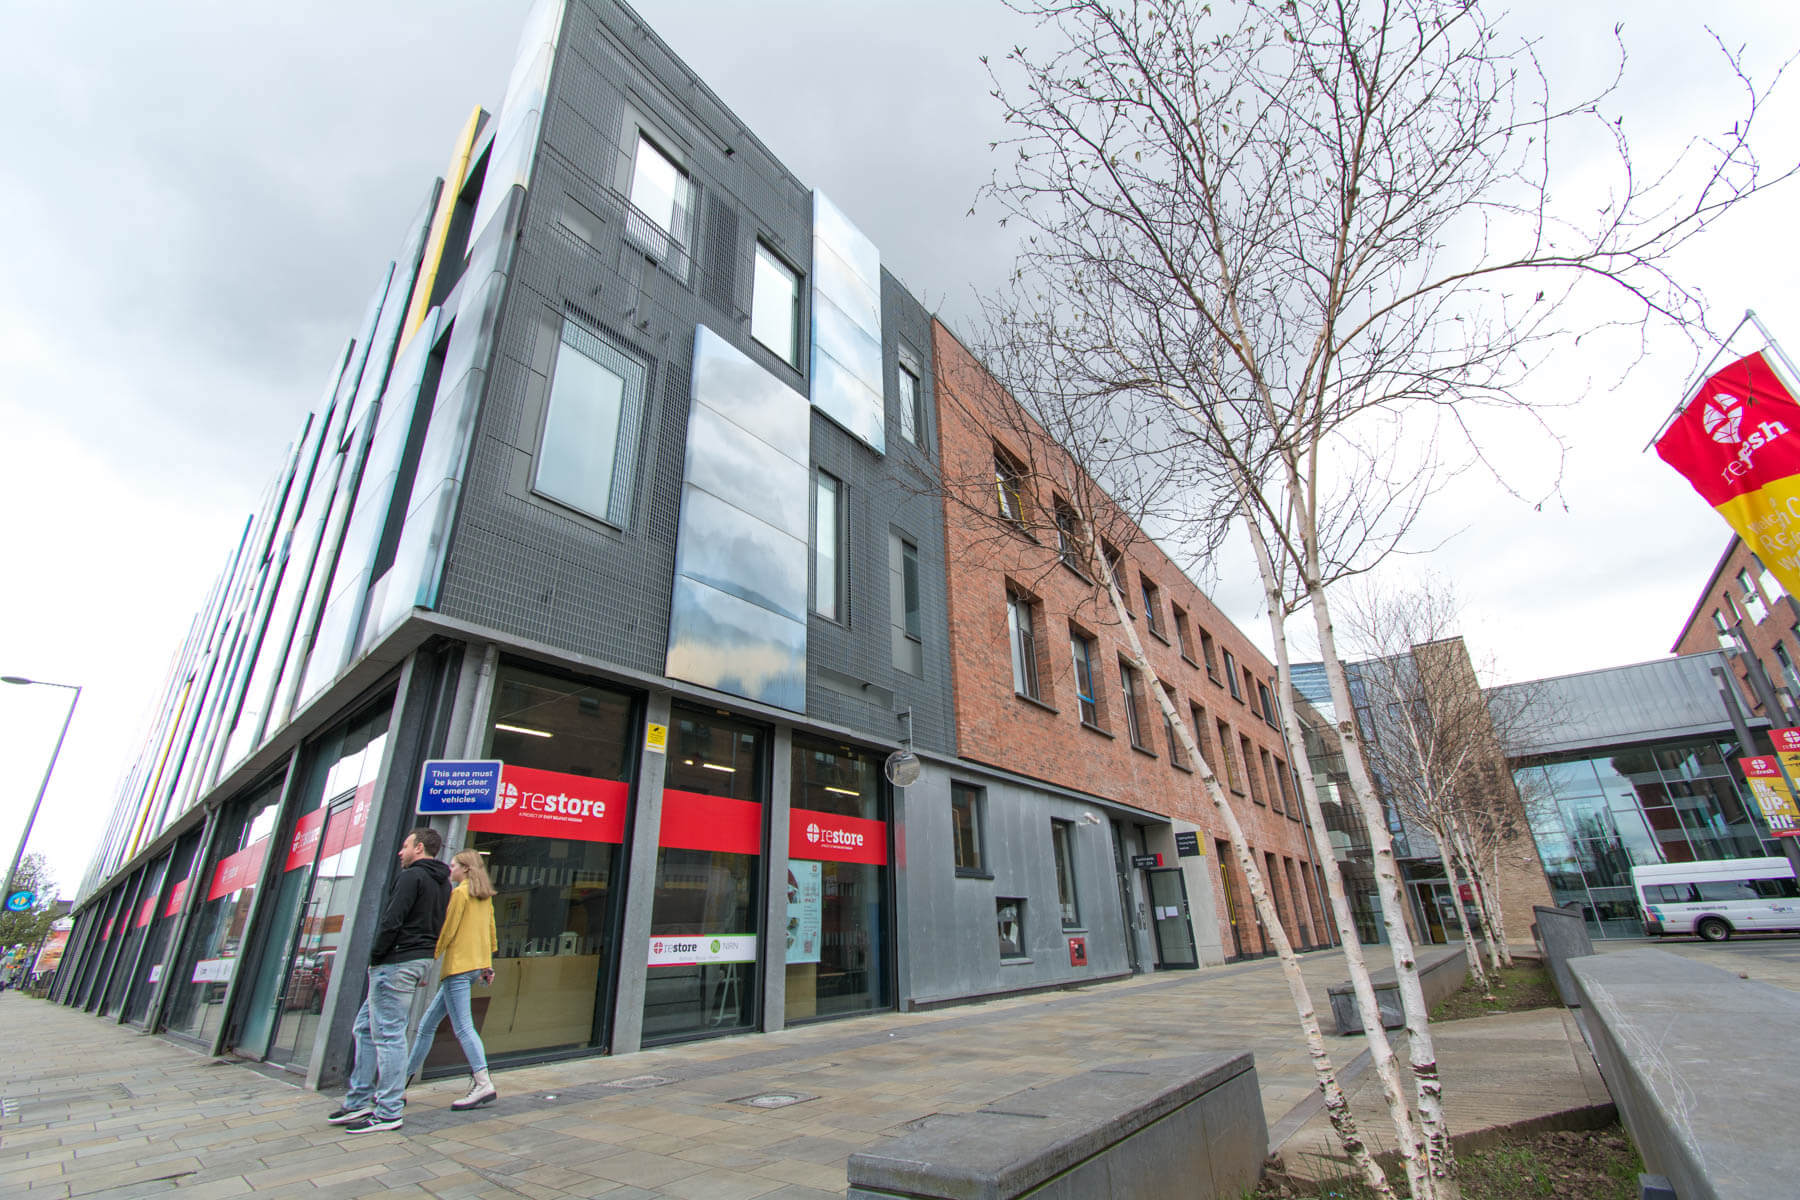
point(1793, 374)
point(1749, 315)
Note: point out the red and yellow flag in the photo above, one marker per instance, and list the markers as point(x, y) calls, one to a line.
point(1738, 442)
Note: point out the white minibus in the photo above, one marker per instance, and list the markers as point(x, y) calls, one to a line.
point(1717, 899)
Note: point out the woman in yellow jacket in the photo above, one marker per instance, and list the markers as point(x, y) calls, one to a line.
point(466, 944)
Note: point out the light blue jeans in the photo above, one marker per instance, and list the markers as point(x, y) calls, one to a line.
point(380, 1034)
point(453, 999)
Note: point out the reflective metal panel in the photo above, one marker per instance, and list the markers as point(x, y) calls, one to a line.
point(521, 113)
point(728, 380)
point(846, 326)
point(727, 548)
point(722, 642)
point(755, 476)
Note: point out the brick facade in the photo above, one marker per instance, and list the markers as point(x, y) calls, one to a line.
point(1757, 614)
point(992, 562)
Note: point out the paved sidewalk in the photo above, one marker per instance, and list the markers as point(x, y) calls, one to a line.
point(94, 1110)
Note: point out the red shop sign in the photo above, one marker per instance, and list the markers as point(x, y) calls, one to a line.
point(691, 821)
point(831, 838)
point(238, 870)
point(306, 840)
point(177, 894)
point(550, 804)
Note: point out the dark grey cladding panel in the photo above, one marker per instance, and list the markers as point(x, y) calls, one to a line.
point(1670, 697)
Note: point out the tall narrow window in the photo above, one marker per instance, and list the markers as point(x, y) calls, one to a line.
point(1206, 651)
point(903, 605)
point(1115, 565)
point(1133, 701)
point(912, 420)
point(1184, 635)
point(1231, 677)
point(1256, 787)
point(1068, 534)
point(1061, 844)
point(828, 527)
point(1272, 788)
point(775, 306)
point(1021, 635)
point(1009, 487)
point(1177, 756)
point(1753, 601)
point(1201, 740)
point(966, 816)
point(1228, 759)
point(1083, 650)
point(587, 457)
point(1152, 605)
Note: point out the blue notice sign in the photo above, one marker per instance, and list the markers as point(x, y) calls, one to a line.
point(460, 786)
point(21, 901)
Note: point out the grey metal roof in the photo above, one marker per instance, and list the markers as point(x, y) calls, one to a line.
point(1651, 701)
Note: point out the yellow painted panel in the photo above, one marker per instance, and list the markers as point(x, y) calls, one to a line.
point(440, 229)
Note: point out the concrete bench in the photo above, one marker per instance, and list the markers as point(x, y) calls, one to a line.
point(1702, 1067)
point(1442, 970)
point(1562, 934)
point(1189, 1127)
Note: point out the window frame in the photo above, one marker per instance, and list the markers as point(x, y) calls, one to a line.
point(840, 607)
point(1009, 487)
point(1231, 678)
point(1068, 534)
point(1129, 701)
point(1082, 651)
point(1022, 643)
point(1068, 890)
point(906, 598)
point(1207, 649)
point(663, 244)
point(1152, 605)
point(628, 429)
point(1177, 755)
point(976, 797)
point(1184, 633)
point(765, 253)
point(1023, 952)
point(912, 411)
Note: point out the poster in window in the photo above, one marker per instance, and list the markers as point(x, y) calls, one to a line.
point(805, 908)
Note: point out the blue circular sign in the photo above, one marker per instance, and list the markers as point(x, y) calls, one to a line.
point(20, 901)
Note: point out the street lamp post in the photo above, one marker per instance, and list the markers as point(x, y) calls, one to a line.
point(31, 818)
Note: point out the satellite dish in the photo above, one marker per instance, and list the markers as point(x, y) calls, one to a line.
point(902, 768)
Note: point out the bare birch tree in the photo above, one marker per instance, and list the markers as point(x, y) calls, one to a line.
point(1314, 244)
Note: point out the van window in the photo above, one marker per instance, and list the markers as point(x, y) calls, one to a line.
point(1777, 889)
point(1670, 893)
point(1717, 890)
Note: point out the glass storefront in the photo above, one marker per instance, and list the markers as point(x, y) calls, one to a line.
point(837, 884)
point(1594, 818)
point(94, 969)
point(705, 918)
point(135, 922)
point(555, 852)
point(162, 927)
point(215, 940)
point(313, 894)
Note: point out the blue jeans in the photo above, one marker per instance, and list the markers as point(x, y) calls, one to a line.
point(452, 998)
point(380, 1033)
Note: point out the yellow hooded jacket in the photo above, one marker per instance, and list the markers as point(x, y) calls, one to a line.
point(468, 939)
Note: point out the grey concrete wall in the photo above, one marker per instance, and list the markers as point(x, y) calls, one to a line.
point(1189, 1127)
point(1562, 933)
point(951, 941)
point(1442, 970)
point(1702, 1069)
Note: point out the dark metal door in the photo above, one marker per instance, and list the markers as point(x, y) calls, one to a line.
point(1169, 907)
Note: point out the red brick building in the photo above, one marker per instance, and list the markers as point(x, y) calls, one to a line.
point(1745, 612)
point(1045, 688)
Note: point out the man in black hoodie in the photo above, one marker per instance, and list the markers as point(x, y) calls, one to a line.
point(405, 944)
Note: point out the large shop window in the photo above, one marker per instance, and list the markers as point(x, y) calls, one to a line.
point(135, 926)
point(705, 918)
point(162, 926)
point(554, 851)
point(314, 892)
point(837, 882)
point(197, 994)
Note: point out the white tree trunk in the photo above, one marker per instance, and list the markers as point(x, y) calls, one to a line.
point(1440, 1155)
point(1470, 950)
point(1485, 898)
point(1381, 1052)
point(1337, 1104)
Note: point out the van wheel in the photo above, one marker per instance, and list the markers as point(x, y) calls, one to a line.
point(1713, 929)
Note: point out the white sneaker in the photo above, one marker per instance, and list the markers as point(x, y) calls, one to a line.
point(480, 1092)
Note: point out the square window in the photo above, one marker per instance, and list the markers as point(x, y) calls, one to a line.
point(967, 817)
point(1062, 835)
point(1009, 923)
point(775, 306)
point(1022, 638)
point(587, 458)
point(828, 547)
point(912, 418)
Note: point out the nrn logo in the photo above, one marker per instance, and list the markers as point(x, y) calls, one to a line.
point(1723, 419)
point(509, 796)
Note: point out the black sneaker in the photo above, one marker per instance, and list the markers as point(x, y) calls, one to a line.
point(373, 1124)
point(349, 1113)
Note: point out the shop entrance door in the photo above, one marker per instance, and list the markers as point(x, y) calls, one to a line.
point(1127, 906)
point(1174, 932)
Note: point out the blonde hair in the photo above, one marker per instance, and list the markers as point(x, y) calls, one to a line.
point(480, 886)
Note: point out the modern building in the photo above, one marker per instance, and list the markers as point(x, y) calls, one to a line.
point(619, 483)
point(1636, 765)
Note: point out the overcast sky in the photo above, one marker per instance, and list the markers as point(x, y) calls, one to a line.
point(198, 199)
